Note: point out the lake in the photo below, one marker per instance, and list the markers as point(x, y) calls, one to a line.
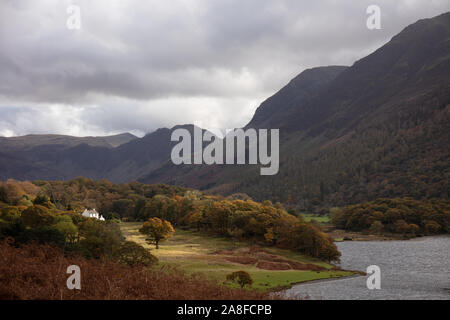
point(412, 269)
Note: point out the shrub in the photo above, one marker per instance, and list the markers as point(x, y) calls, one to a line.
point(241, 277)
point(37, 216)
point(134, 254)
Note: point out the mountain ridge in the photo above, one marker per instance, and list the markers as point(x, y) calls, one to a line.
point(33, 140)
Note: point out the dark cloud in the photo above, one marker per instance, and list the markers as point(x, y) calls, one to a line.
point(138, 65)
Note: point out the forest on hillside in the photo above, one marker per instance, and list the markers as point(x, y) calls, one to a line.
point(403, 157)
point(404, 216)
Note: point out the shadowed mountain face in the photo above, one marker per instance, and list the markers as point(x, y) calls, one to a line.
point(406, 73)
point(278, 109)
point(379, 128)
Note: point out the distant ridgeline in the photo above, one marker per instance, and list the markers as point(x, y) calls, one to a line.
point(50, 211)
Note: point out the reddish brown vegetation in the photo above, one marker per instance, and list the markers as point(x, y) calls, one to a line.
point(302, 266)
point(254, 249)
point(267, 265)
point(265, 260)
point(39, 272)
point(242, 260)
point(223, 252)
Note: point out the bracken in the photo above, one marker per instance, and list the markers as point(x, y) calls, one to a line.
point(36, 271)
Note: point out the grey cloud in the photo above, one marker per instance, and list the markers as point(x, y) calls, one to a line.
point(178, 60)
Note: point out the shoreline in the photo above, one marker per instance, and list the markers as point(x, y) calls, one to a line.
point(340, 235)
point(327, 279)
point(385, 239)
point(354, 275)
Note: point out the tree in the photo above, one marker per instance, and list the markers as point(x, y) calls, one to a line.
point(157, 230)
point(269, 236)
point(43, 200)
point(305, 238)
point(161, 207)
point(3, 195)
point(401, 226)
point(241, 277)
point(133, 254)
point(37, 216)
point(65, 225)
point(432, 227)
point(376, 227)
point(99, 238)
point(9, 214)
point(44, 234)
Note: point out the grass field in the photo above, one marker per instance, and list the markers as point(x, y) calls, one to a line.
point(195, 252)
point(321, 219)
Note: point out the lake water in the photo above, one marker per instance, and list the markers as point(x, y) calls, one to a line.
point(413, 269)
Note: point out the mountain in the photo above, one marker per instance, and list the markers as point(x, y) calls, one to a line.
point(35, 140)
point(273, 112)
point(54, 157)
point(133, 160)
point(401, 76)
point(379, 128)
point(119, 139)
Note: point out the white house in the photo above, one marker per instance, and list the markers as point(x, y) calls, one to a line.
point(92, 214)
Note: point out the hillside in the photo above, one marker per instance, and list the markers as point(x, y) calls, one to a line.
point(273, 112)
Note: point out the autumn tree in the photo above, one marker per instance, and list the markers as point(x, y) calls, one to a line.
point(161, 207)
point(241, 277)
point(3, 194)
point(42, 200)
point(65, 225)
point(156, 230)
point(405, 216)
point(376, 227)
point(37, 216)
point(432, 227)
point(9, 214)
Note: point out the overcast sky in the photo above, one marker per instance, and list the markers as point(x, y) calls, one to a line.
point(139, 65)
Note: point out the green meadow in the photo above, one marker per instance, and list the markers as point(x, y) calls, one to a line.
point(324, 219)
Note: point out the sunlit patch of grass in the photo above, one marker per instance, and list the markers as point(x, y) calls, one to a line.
point(321, 219)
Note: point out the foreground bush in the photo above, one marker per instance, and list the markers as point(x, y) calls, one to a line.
point(134, 254)
point(36, 271)
point(243, 278)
